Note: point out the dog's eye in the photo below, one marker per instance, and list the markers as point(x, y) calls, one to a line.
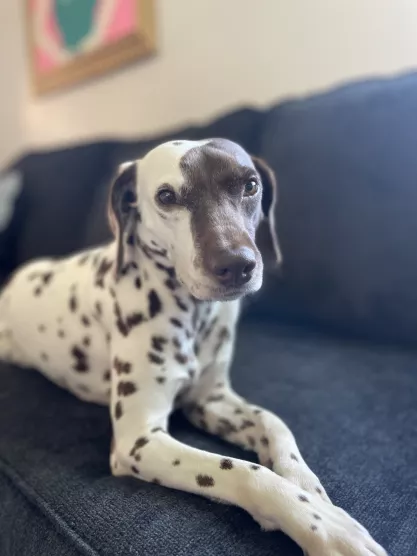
point(251, 187)
point(166, 197)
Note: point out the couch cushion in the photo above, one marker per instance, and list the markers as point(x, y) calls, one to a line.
point(351, 406)
point(347, 169)
point(57, 194)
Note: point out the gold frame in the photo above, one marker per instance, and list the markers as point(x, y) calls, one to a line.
point(140, 44)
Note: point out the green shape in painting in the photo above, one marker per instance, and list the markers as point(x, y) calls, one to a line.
point(75, 19)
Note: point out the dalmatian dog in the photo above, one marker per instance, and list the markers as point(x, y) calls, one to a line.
point(147, 324)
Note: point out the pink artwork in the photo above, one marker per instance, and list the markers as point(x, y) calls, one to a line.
point(66, 33)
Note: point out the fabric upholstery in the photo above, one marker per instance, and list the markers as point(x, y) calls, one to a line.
point(351, 406)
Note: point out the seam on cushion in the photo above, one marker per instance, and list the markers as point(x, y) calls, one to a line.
point(33, 497)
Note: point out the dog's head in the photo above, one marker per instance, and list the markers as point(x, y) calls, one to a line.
point(202, 202)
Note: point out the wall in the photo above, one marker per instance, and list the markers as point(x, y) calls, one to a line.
point(213, 55)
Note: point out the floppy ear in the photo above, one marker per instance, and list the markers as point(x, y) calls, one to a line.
point(122, 210)
point(267, 229)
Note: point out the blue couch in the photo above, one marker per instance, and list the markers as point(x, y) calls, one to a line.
point(329, 344)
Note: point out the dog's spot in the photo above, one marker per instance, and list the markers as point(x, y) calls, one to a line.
point(226, 464)
point(108, 337)
point(257, 411)
point(303, 498)
point(154, 358)
point(83, 259)
point(180, 303)
point(33, 276)
point(316, 516)
point(168, 269)
point(176, 143)
point(156, 481)
point(47, 277)
point(255, 467)
point(61, 334)
point(112, 293)
point(122, 367)
point(210, 328)
point(226, 426)
point(138, 457)
point(314, 527)
point(44, 356)
point(81, 364)
point(191, 373)
point(171, 284)
point(86, 341)
point(251, 441)
point(160, 379)
point(318, 489)
point(264, 441)
point(141, 442)
point(176, 462)
point(203, 424)
point(126, 388)
point(176, 343)
point(223, 335)
point(138, 283)
point(85, 320)
point(128, 267)
point(83, 388)
point(118, 410)
point(196, 348)
point(107, 376)
point(158, 343)
point(135, 470)
point(215, 398)
point(99, 309)
point(37, 291)
point(181, 358)
point(294, 457)
point(134, 320)
point(177, 323)
point(238, 411)
point(269, 463)
point(157, 429)
point(154, 303)
point(205, 480)
point(41, 328)
point(73, 303)
point(102, 270)
point(130, 240)
point(246, 424)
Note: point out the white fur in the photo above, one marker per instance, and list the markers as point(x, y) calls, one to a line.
point(74, 309)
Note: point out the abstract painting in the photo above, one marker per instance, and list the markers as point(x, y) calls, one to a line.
point(74, 40)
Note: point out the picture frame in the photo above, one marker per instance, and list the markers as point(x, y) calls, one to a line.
point(71, 41)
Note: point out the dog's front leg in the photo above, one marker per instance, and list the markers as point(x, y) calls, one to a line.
point(214, 406)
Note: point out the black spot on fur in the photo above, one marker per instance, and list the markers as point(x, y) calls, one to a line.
point(176, 462)
point(160, 379)
point(156, 481)
point(81, 361)
point(158, 343)
point(205, 480)
point(176, 343)
point(294, 457)
point(140, 443)
point(226, 427)
point(44, 356)
point(318, 489)
point(85, 320)
point(134, 320)
point(98, 308)
point(226, 464)
point(61, 334)
point(47, 277)
point(154, 303)
point(37, 291)
point(180, 303)
point(138, 283)
point(251, 441)
point(154, 358)
point(118, 410)
point(73, 303)
point(86, 341)
point(130, 240)
point(102, 270)
point(303, 498)
point(238, 411)
point(181, 358)
point(246, 424)
point(214, 398)
point(122, 367)
point(177, 323)
point(316, 516)
point(107, 376)
point(82, 260)
point(264, 441)
point(41, 328)
point(191, 373)
point(157, 429)
point(126, 388)
point(171, 284)
point(255, 467)
point(135, 470)
point(257, 411)
point(314, 527)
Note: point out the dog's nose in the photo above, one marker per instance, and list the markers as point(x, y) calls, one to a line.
point(234, 268)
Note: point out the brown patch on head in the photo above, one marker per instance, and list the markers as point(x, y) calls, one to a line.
point(126, 388)
point(226, 464)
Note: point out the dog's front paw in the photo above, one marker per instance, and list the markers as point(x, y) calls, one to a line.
point(333, 532)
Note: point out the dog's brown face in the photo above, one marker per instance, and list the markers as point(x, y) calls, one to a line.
point(202, 202)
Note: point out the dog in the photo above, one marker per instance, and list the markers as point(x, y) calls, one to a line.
point(147, 324)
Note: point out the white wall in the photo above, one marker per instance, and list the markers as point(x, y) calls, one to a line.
point(213, 55)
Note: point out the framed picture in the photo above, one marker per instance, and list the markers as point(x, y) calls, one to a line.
point(73, 40)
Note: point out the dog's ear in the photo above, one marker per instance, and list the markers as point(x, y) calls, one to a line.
point(122, 209)
point(267, 232)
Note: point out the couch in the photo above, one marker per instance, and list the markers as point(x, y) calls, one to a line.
point(330, 343)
